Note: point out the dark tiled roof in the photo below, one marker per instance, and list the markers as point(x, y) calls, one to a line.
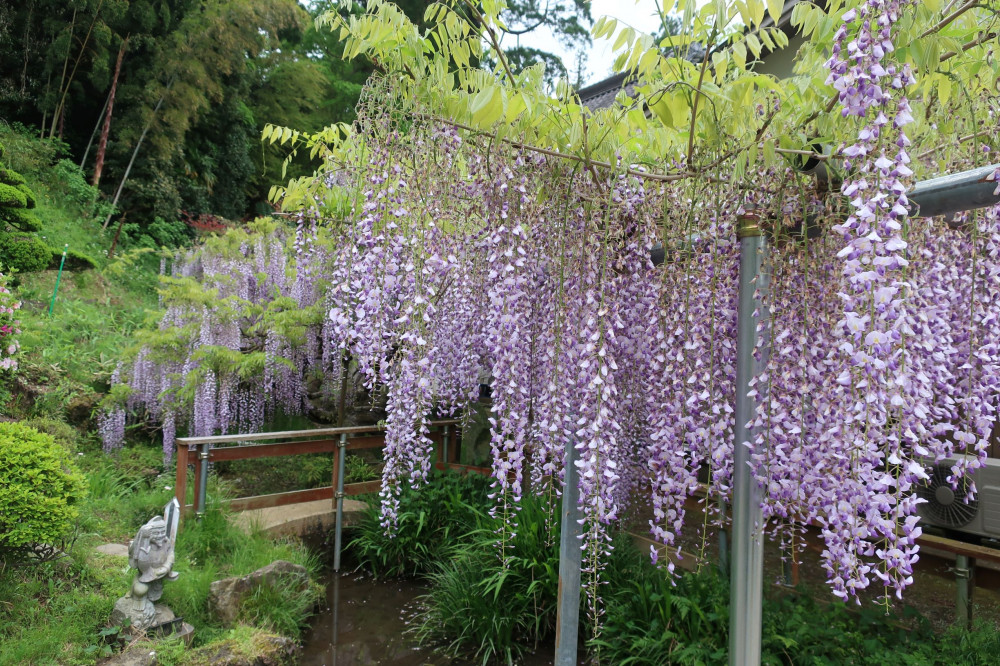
point(601, 95)
point(786, 16)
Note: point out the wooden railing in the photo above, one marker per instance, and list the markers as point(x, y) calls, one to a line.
point(200, 451)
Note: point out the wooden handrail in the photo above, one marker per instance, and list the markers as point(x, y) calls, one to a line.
point(289, 434)
point(321, 440)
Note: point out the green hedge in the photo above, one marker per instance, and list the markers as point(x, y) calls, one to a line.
point(40, 488)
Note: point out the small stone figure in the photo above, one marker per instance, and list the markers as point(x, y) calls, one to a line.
point(152, 554)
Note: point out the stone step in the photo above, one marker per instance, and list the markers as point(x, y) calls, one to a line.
point(300, 519)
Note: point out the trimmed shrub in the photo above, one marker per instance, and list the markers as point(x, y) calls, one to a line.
point(24, 254)
point(18, 251)
point(40, 489)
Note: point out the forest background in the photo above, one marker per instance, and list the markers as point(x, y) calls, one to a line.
point(184, 88)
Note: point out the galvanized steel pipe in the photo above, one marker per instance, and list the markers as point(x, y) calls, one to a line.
point(568, 613)
point(202, 481)
point(747, 566)
point(338, 536)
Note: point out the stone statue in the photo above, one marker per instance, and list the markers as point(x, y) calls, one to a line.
point(152, 554)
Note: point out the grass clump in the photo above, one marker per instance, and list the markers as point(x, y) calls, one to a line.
point(484, 610)
point(431, 520)
point(54, 612)
point(242, 644)
point(215, 548)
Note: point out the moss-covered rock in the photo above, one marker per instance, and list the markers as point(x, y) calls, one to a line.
point(259, 649)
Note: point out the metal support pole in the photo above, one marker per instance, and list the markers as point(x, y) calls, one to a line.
point(748, 548)
point(444, 446)
point(965, 576)
point(568, 613)
point(341, 450)
point(199, 509)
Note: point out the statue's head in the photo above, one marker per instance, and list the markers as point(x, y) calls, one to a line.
point(157, 529)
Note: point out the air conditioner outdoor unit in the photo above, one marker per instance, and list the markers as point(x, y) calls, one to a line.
point(945, 506)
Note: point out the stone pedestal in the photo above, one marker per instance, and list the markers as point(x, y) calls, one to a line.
point(138, 613)
point(144, 618)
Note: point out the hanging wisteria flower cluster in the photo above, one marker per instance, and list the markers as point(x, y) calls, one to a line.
point(9, 327)
point(465, 267)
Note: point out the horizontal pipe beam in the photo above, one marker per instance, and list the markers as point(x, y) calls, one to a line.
point(947, 195)
point(954, 193)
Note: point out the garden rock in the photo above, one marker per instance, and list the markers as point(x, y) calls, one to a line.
point(266, 650)
point(226, 596)
point(142, 653)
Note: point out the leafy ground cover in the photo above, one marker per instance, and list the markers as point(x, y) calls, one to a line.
point(479, 611)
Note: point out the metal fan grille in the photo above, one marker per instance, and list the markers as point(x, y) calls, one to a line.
point(945, 505)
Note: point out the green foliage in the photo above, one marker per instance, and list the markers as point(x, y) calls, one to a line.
point(67, 358)
point(284, 473)
point(23, 253)
point(54, 612)
point(356, 470)
point(431, 520)
point(61, 432)
point(279, 609)
point(19, 250)
point(243, 644)
point(651, 619)
point(40, 489)
point(482, 609)
point(215, 548)
point(69, 183)
point(159, 233)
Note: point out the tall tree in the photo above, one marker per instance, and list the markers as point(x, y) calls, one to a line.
point(106, 127)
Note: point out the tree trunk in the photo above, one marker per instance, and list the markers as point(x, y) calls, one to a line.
point(61, 107)
point(93, 134)
point(62, 78)
point(103, 143)
point(135, 152)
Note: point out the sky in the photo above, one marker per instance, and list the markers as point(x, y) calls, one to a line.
point(640, 14)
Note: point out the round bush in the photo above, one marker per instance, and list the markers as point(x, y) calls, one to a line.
point(25, 254)
point(40, 488)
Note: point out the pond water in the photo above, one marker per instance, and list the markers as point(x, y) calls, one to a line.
point(365, 621)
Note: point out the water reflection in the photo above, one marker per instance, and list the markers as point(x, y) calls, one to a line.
point(366, 622)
